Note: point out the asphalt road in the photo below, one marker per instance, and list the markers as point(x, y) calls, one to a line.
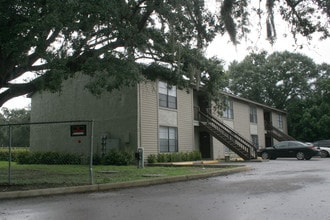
point(279, 189)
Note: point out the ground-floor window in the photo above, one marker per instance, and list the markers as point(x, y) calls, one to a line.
point(168, 139)
point(254, 140)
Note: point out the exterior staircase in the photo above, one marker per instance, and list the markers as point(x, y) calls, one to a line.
point(229, 137)
point(277, 134)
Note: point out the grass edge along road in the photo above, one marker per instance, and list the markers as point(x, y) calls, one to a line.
point(31, 177)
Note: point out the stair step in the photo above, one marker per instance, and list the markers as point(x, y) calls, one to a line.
point(230, 139)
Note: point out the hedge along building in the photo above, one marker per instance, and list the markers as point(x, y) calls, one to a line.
point(151, 115)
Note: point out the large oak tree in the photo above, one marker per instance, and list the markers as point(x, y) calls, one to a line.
point(123, 42)
point(288, 81)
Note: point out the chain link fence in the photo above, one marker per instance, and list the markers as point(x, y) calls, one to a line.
point(59, 154)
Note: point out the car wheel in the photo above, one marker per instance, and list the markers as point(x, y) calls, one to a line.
point(265, 155)
point(307, 157)
point(324, 154)
point(300, 155)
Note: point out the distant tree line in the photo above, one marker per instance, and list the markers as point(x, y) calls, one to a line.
point(20, 134)
point(287, 81)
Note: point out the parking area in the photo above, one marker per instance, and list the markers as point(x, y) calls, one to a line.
point(275, 189)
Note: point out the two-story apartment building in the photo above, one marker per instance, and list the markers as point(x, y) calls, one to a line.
point(151, 115)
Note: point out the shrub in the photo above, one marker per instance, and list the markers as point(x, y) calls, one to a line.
point(25, 158)
point(96, 159)
point(194, 155)
point(162, 158)
point(174, 157)
point(4, 153)
point(48, 158)
point(152, 158)
point(115, 157)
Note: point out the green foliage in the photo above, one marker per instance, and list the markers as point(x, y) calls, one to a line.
point(291, 82)
point(24, 156)
point(20, 134)
point(48, 158)
point(15, 152)
point(97, 159)
point(115, 157)
point(110, 40)
point(174, 157)
point(309, 119)
point(106, 40)
point(273, 80)
point(152, 158)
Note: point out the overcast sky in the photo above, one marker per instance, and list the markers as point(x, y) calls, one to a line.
point(222, 48)
point(256, 40)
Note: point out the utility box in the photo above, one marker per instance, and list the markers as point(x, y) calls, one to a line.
point(139, 156)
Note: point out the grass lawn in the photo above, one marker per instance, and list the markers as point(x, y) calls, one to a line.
point(25, 177)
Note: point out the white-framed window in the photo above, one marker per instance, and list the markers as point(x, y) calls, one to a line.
point(228, 112)
point(255, 140)
point(168, 139)
point(280, 121)
point(253, 114)
point(167, 95)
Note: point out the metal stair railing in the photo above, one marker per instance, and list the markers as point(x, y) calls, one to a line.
point(278, 134)
point(230, 137)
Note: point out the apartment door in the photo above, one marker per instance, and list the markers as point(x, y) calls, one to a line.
point(203, 103)
point(205, 144)
point(268, 123)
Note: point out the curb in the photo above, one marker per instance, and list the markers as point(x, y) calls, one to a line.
point(114, 186)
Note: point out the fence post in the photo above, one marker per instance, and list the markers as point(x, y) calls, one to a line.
point(9, 156)
point(91, 176)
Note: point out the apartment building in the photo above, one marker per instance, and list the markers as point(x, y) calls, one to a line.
point(153, 115)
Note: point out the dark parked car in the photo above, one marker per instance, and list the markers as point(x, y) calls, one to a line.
point(324, 146)
point(296, 149)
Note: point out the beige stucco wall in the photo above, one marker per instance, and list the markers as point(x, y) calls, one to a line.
point(108, 112)
point(148, 124)
point(185, 121)
point(152, 117)
point(241, 123)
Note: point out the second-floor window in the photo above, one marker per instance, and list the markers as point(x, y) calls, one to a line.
point(167, 95)
point(280, 121)
point(228, 112)
point(253, 114)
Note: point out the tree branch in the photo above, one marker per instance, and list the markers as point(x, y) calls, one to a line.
point(16, 90)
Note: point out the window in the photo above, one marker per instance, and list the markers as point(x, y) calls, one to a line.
point(283, 144)
point(168, 138)
point(254, 140)
point(253, 115)
point(167, 95)
point(229, 110)
point(280, 121)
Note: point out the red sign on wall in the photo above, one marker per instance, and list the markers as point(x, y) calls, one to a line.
point(78, 130)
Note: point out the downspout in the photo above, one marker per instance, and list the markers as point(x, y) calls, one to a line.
point(138, 116)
